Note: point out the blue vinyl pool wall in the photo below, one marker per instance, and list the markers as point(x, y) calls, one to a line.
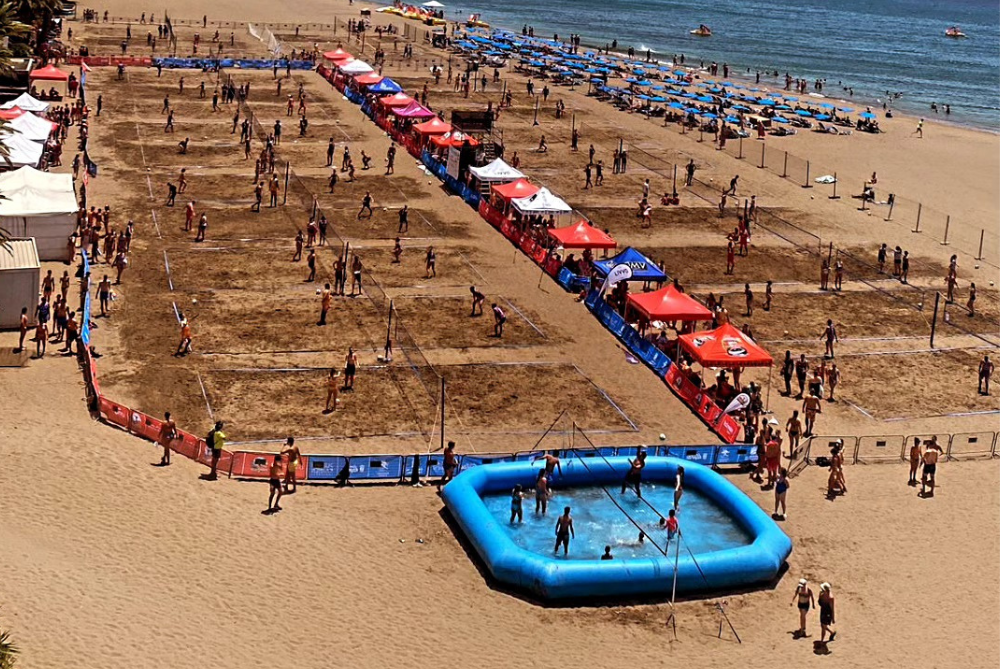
point(554, 579)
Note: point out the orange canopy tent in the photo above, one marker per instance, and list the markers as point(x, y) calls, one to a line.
point(515, 189)
point(582, 235)
point(725, 347)
point(453, 139)
point(368, 79)
point(337, 55)
point(433, 127)
point(48, 73)
point(395, 100)
point(669, 304)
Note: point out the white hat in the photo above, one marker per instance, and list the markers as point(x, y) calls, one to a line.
point(773, 421)
point(824, 587)
point(802, 581)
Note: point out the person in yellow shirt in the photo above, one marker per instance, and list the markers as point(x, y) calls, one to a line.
point(217, 442)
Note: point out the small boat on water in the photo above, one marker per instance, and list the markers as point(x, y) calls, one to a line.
point(954, 31)
point(476, 22)
point(702, 31)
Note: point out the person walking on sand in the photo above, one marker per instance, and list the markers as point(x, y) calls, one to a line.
point(274, 483)
point(366, 205)
point(564, 530)
point(326, 300)
point(915, 458)
point(985, 372)
point(430, 264)
point(350, 369)
point(971, 304)
point(827, 615)
point(803, 597)
point(811, 407)
point(168, 432)
point(830, 335)
point(332, 389)
point(780, 492)
point(930, 459)
point(404, 220)
point(794, 429)
point(833, 379)
point(292, 455)
point(311, 263)
point(449, 465)
point(184, 347)
point(919, 132)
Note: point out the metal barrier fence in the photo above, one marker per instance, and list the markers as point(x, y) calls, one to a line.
point(874, 449)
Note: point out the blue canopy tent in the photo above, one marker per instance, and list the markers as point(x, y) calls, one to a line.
point(386, 86)
point(643, 269)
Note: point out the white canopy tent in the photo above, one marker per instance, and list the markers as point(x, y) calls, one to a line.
point(40, 205)
point(22, 151)
point(27, 103)
point(356, 67)
point(19, 280)
point(32, 127)
point(497, 171)
point(542, 202)
point(433, 4)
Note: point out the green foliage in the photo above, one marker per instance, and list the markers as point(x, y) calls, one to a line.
point(8, 651)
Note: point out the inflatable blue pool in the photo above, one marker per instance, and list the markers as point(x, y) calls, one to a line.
point(726, 542)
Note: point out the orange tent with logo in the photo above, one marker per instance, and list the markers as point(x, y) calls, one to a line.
point(726, 347)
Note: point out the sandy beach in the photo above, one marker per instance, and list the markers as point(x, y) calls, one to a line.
point(106, 557)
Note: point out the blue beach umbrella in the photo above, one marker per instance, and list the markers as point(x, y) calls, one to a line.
point(676, 105)
point(867, 115)
point(783, 107)
point(780, 119)
point(789, 97)
point(732, 119)
point(802, 112)
point(845, 109)
point(822, 117)
point(703, 98)
point(767, 102)
point(826, 105)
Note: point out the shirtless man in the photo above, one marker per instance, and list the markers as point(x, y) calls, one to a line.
point(478, 299)
point(22, 329)
point(824, 275)
point(104, 294)
point(564, 529)
point(915, 457)
point(541, 493)
point(830, 335)
point(930, 460)
point(985, 372)
point(794, 429)
point(168, 432)
point(326, 300)
point(833, 379)
point(274, 483)
point(291, 452)
point(552, 462)
point(450, 464)
point(810, 407)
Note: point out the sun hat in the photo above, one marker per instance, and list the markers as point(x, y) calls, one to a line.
point(802, 581)
point(825, 587)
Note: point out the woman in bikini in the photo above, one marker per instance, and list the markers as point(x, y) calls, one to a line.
point(804, 597)
point(826, 612)
point(332, 387)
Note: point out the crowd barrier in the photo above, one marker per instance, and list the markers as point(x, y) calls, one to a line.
point(873, 449)
point(110, 61)
point(401, 468)
point(238, 63)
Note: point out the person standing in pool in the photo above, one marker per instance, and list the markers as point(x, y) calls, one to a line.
point(541, 493)
point(670, 523)
point(516, 504)
point(804, 596)
point(634, 476)
point(678, 488)
point(564, 530)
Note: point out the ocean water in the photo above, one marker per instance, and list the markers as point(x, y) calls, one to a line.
point(598, 522)
point(873, 46)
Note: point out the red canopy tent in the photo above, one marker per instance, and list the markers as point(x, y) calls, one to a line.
point(337, 56)
point(433, 127)
point(11, 114)
point(582, 235)
point(725, 347)
point(396, 100)
point(453, 139)
point(515, 189)
point(669, 304)
point(368, 79)
point(49, 73)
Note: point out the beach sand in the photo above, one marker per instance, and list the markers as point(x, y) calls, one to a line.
point(108, 558)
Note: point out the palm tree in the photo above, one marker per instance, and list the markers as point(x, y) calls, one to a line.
point(16, 33)
point(38, 13)
point(8, 651)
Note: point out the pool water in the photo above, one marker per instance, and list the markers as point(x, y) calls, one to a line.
point(598, 522)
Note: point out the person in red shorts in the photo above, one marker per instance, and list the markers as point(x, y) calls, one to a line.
point(772, 457)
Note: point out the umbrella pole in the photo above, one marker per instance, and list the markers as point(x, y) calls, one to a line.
point(767, 402)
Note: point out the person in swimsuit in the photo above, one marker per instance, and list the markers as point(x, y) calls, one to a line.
point(985, 372)
point(477, 301)
point(794, 429)
point(499, 318)
point(835, 484)
point(541, 492)
point(670, 524)
point(826, 612)
point(332, 388)
point(780, 489)
point(552, 462)
point(811, 407)
point(564, 529)
point(431, 263)
point(168, 432)
point(801, 371)
point(678, 485)
point(804, 597)
point(516, 504)
point(291, 451)
point(356, 268)
point(450, 464)
point(830, 336)
point(931, 456)
point(915, 457)
point(350, 368)
point(633, 478)
point(274, 481)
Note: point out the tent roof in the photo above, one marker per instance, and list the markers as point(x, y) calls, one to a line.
point(454, 138)
point(583, 235)
point(498, 170)
point(11, 114)
point(22, 151)
point(19, 254)
point(27, 103)
point(413, 110)
point(368, 79)
point(516, 189)
point(49, 73)
point(337, 55)
point(386, 85)
point(725, 346)
point(355, 67)
point(542, 202)
point(433, 127)
point(670, 304)
point(399, 99)
point(32, 127)
point(643, 269)
point(29, 192)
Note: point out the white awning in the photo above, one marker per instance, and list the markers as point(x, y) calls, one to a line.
point(32, 127)
point(27, 103)
point(542, 202)
point(22, 151)
point(29, 192)
point(356, 67)
point(498, 170)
